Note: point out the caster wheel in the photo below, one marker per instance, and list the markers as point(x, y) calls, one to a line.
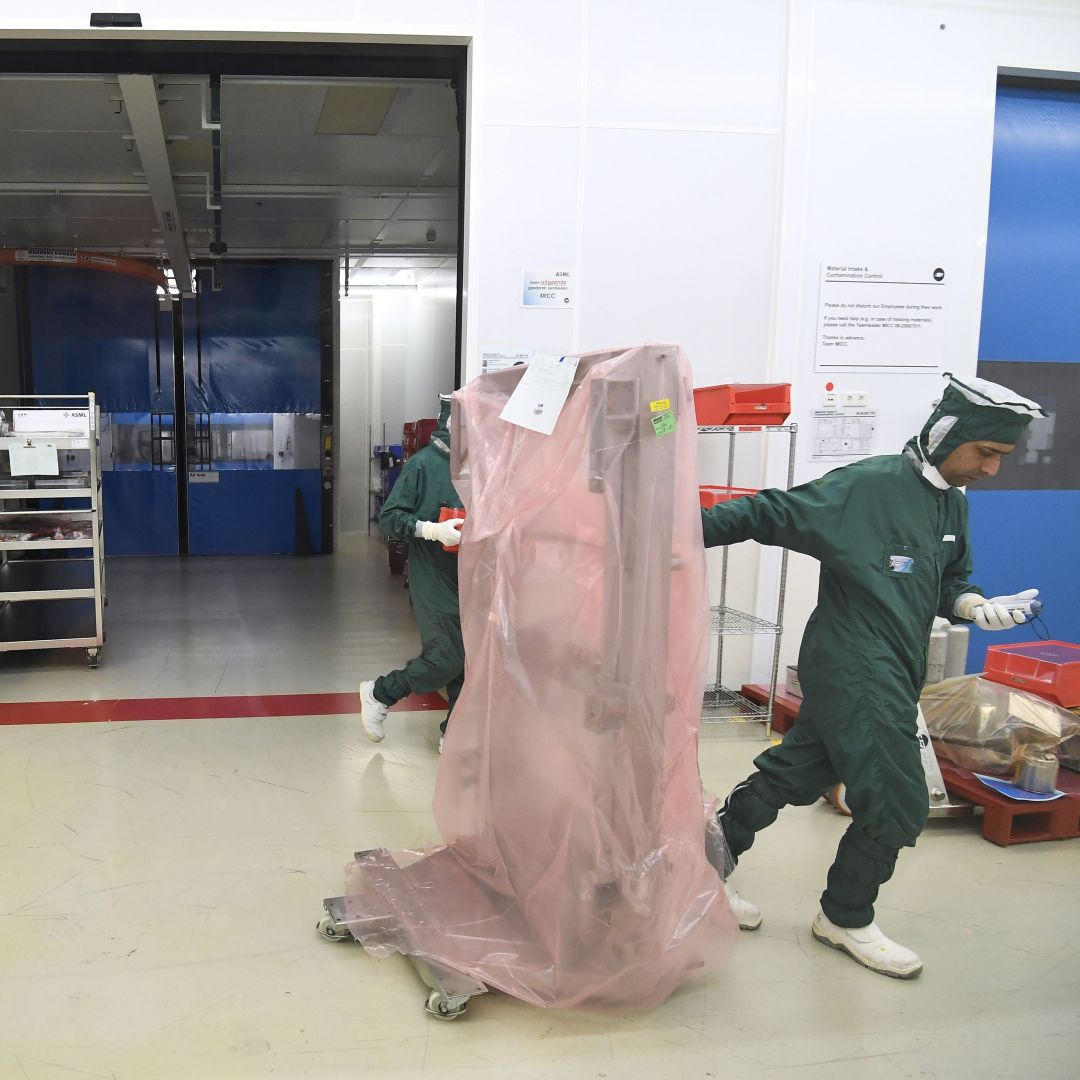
point(437, 1006)
point(838, 797)
point(93, 658)
point(330, 930)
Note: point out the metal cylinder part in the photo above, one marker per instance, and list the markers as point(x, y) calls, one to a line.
point(1037, 771)
point(956, 652)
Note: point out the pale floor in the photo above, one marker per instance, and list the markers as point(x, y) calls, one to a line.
point(160, 881)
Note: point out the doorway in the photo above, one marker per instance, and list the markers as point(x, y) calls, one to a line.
point(285, 161)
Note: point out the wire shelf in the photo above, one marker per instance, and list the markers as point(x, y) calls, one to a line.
point(720, 703)
point(726, 620)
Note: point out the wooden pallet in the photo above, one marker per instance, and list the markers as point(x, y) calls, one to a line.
point(1006, 821)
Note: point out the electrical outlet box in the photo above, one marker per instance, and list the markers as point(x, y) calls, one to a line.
point(857, 399)
point(830, 401)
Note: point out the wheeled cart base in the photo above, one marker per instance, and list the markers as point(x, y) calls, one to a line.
point(449, 990)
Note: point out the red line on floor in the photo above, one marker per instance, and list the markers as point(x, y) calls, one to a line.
point(197, 708)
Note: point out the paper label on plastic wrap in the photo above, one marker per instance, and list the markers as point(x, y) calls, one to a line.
point(663, 423)
point(663, 405)
point(538, 399)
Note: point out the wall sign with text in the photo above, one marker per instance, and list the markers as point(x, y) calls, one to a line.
point(881, 317)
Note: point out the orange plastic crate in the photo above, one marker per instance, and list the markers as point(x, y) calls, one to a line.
point(739, 404)
point(1050, 669)
point(713, 495)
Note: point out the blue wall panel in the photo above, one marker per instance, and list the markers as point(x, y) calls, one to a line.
point(1031, 307)
point(93, 331)
point(253, 512)
point(1026, 540)
point(260, 341)
point(140, 513)
point(261, 353)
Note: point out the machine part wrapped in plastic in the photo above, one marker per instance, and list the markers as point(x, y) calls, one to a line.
point(573, 869)
point(985, 726)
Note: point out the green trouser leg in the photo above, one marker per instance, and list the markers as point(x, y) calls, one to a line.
point(886, 792)
point(453, 689)
point(795, 772)
point(441, 662)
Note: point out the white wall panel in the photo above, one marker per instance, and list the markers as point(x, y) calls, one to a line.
point(354, 394)
point(527, 215)
point(699, 274)
point(687, 64)
point(532, 63)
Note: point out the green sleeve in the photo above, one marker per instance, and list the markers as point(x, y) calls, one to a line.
point(398, 518)
point(802, 519)
point(954, 580)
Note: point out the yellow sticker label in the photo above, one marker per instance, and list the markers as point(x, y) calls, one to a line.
point(660, 406)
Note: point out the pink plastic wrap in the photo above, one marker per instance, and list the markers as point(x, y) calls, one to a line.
point(573, 869)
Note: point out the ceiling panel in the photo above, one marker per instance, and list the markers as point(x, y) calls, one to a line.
point(99, 233)
point(426, 110)
point(355, 110)
point(72, 156)
point(414, 233)
point(429, 208)
point(180, 101)
point(265, 108)
point(192, 154)
point(61, 104)
point(51, 205)
point(302, 190)
point(329, 159)
point(311, 209)
point(359, 233)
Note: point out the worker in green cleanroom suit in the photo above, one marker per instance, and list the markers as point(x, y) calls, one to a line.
point(411, 513)
point(891, 535)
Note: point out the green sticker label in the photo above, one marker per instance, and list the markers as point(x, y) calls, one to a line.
point(663, 423)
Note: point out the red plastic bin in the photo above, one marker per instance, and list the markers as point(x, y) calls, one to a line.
point(713, 495)
point(416, 434)
point(448, 513)
point(737, 404)
point(1050, 669)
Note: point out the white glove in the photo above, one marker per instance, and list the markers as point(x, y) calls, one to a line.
point(442, 532)
point(997, 613)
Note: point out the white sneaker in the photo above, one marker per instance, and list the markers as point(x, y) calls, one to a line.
point(869, 946)
point(749, 915)
point(372, 712)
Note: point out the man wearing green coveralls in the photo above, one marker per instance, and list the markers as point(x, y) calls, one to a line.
point(891, 534)
point(411, 513)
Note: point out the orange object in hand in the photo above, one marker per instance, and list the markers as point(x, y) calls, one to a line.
point(451, 513)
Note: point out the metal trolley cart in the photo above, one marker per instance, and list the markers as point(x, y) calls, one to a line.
point(627, 471)
point(449, 990)
point(722, 704)
point(52, 557)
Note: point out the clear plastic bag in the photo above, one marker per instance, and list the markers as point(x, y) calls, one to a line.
point(982, 725)
point(573, 869)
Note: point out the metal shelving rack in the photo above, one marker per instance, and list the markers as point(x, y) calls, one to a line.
point(723, 704)
point(56, 601)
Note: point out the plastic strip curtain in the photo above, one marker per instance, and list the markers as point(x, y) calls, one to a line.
point(573, 869)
